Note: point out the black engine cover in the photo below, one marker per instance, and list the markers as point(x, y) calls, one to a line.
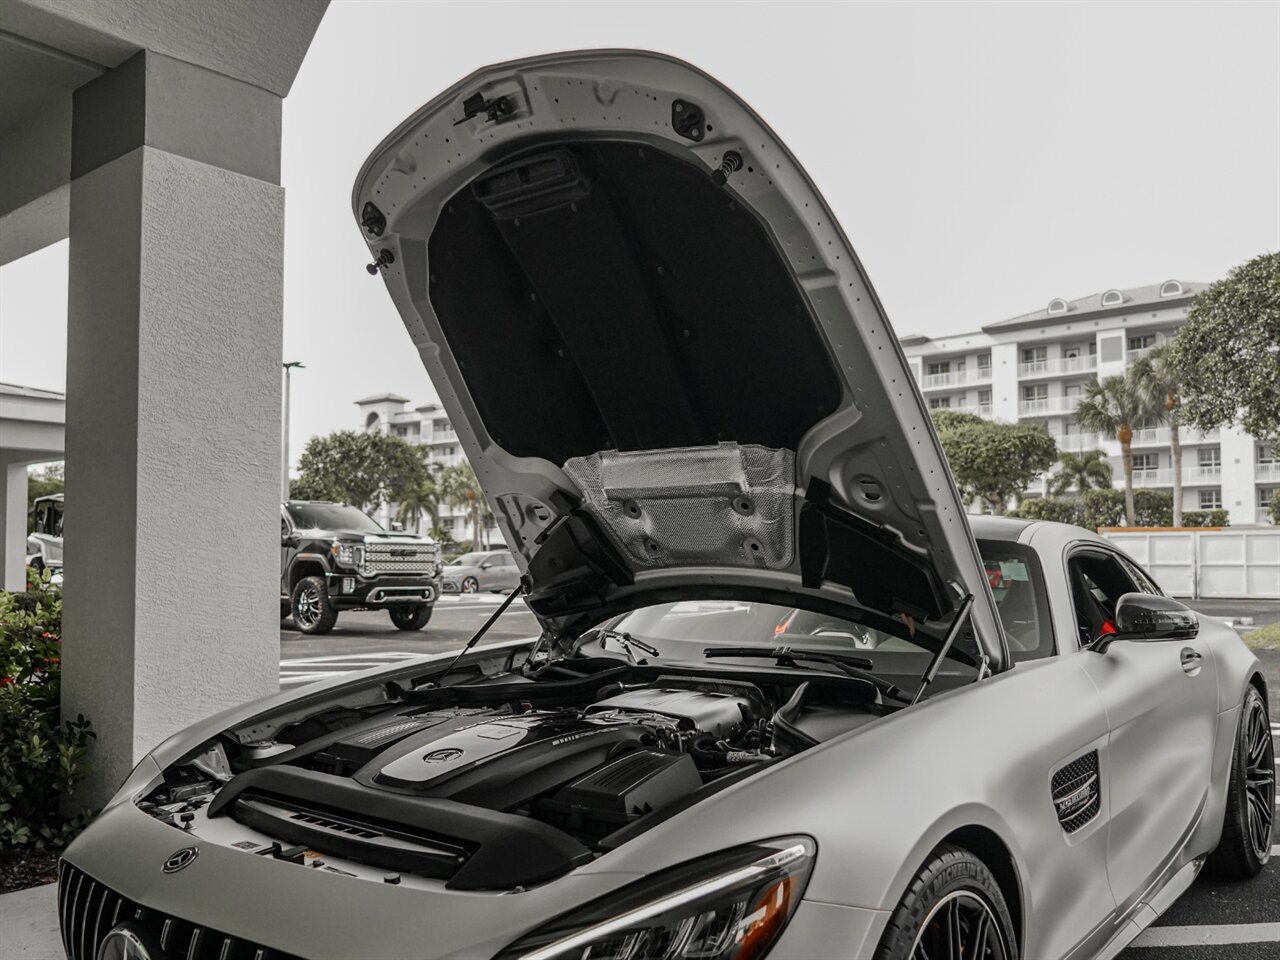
point(501, 763)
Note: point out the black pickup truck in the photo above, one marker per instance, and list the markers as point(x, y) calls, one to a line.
point(333, 557)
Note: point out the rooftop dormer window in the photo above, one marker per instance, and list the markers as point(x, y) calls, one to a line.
point(1057, 305)
point(1170, 288)
point(1113, 298)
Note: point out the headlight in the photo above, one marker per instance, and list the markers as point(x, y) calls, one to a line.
point(731, 906)
point(348, 554)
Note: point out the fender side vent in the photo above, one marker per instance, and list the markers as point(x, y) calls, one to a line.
point(1076, 791)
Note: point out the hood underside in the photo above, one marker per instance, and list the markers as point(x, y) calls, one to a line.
point(658, 349)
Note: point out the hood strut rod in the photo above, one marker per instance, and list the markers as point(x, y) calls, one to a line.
point(953, 631)
point(484, 628)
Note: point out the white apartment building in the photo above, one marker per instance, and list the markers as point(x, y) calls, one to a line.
point(1034, 368)
point(428, 426)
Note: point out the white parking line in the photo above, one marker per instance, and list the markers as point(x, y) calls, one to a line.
point(1209, 934)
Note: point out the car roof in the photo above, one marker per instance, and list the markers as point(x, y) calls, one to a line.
point(987, 527)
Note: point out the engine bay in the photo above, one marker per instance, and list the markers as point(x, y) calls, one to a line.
point(503, 780)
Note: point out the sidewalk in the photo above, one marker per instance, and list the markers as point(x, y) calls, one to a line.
point(29, 924)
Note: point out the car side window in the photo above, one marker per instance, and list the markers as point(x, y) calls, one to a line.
point(1017, 583)
point(1098, 579)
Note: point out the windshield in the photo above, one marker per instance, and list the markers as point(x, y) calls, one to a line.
point(685, 630)
point(469, 560)
point(331, 516)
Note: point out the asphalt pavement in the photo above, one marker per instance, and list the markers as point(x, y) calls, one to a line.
point(1214, 920)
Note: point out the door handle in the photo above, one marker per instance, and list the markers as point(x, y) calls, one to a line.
point(1191, 660)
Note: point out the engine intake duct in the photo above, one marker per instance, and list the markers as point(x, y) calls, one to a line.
point(630, 787)
point(470, 847)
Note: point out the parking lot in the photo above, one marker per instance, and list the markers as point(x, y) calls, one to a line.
point(1212, 921)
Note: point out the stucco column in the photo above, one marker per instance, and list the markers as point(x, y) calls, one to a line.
point(13, 525)
point(173, 404)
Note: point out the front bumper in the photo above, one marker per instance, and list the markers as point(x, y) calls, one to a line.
point(114, 872)
point(348, 591)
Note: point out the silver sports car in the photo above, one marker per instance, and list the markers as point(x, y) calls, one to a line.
point(788, 700)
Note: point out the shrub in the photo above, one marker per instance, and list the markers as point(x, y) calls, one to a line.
point(1057, 509)
point(42, 757)
point(1274, 509)
point(1105, 508)
point(1204, 518)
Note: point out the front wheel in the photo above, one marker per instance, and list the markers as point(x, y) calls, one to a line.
point(953, 910)
point(410, 618)
point(1245, 846)
point(470, 585)
point(311, 610)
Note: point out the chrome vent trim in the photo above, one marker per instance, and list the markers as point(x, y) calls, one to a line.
point(399, 558)
point(1076, 790)
point(87, 910)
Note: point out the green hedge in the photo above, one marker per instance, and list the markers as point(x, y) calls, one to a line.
point(43, 758)
point(1105, 508)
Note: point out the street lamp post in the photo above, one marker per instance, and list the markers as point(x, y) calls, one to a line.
point(284, 453)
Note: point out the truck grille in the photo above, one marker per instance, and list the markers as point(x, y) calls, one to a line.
point(404, 558)
point(88, 909)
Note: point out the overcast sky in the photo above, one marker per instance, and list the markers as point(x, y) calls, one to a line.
point(983, 158)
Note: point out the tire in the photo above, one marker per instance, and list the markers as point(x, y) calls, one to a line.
point(410, 618)
point(953, 891)
point(470, 585)
point(311, 611)
point(1245, 846)
point(286, 608)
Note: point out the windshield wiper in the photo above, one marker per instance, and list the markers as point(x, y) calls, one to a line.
point(847, 664)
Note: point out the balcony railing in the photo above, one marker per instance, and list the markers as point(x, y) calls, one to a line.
point(1047, 406)
point(1062, 366)
point(1150, 437)
point(1077, 442)
point(1202, 474)
point(1132, 355)
point(960, 378)
point(1267, 470)
point(1163, 477)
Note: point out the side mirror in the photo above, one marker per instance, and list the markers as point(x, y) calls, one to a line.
point(486, 565)
point(1144, 616)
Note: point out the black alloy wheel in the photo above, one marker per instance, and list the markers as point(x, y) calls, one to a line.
point(1245, 846)
point(311, 611)
point(954, 909)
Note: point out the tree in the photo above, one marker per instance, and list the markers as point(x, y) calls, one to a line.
point(1158, 380)
point(993, 462)
point(1083, 471)
point(462, 489)
point(365, 470)
point(1227, 354)
point(1113, 406)
point(424, 498)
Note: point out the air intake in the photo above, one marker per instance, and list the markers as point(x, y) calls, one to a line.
point(1076, 791)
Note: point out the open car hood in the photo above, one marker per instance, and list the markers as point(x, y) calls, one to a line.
point(660, 352)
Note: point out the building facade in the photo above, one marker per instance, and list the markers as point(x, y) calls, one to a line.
point(1034, 368)
point(427, 426)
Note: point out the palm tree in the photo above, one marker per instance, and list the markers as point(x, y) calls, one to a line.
point(1113, 406)
point(1158, 381)
point(422, 499)
point(1084, 471)
point(462, 489)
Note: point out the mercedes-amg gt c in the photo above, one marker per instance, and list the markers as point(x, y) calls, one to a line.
point(787, 701)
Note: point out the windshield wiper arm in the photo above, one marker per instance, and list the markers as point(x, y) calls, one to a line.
point(847, 664)
point(627, 641)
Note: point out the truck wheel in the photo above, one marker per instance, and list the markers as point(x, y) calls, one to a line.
point(311, 610)
point(286, 608)
point(410, 618)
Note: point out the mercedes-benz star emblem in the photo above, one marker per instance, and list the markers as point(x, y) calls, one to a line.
point(443, 756)
point(122, 943)
point(181, 859)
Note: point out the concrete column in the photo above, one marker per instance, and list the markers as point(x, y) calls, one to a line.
point(173, 404)
point(1239, 491)
point(13, 525)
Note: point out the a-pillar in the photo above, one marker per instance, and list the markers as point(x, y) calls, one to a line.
point(173, 404)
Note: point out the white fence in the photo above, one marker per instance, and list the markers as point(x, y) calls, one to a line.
point(1237, 564)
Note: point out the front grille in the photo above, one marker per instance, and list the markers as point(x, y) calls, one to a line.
point(399, 558)
point(1077, 792)
point(87, 910)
